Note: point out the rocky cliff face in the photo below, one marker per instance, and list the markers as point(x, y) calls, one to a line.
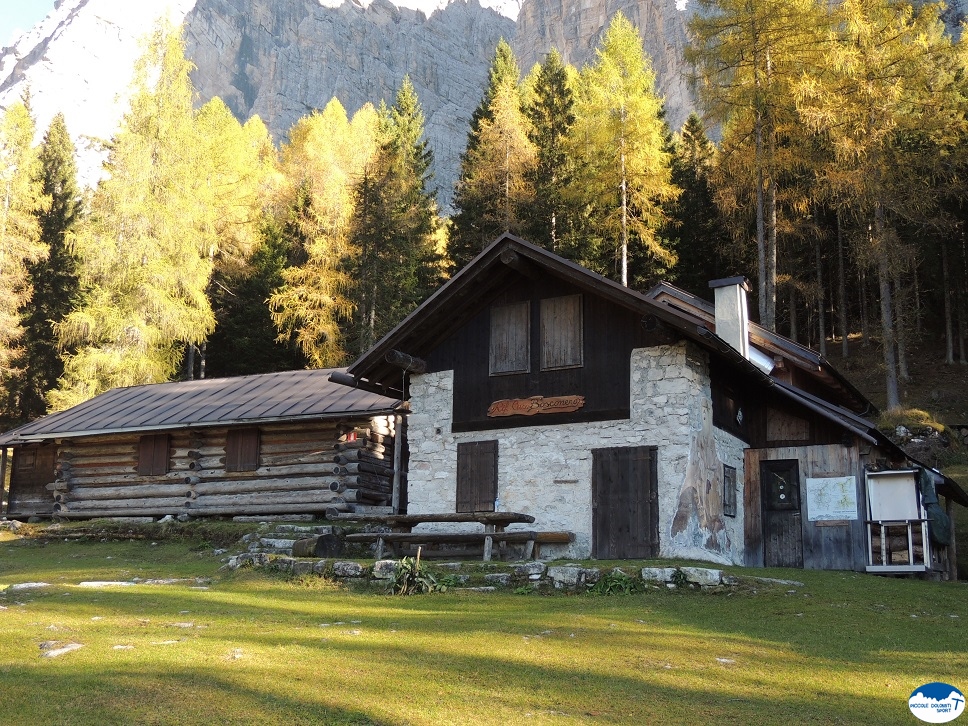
point(281, 59)
point(284, 58)
point(575, 28)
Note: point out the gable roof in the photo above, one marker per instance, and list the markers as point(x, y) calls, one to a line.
point(268, 397)
point(461, 297)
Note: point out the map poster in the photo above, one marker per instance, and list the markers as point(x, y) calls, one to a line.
point(831, 498)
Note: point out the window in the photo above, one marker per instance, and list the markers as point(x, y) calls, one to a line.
point(153, 455)
point(26, 458)
point(561, 332)
point(476, 476)
point(729, 490)
point(242, 450)
point(511, 338)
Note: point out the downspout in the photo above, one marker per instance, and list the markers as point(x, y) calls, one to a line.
point(3, 479)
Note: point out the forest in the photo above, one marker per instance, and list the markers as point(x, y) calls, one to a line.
point(826, 162)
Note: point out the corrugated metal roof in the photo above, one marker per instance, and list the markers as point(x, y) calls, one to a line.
point(286, 396)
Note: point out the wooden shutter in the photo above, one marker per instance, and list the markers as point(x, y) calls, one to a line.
point(242, 450)
point(511, 338)
point(153, 455)
point(476, 476)
point(561, 332)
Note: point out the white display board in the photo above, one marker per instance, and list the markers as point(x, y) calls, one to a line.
point(893, 496)
point(831, 498)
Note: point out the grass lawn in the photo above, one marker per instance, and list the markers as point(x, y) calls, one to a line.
point(251, 647)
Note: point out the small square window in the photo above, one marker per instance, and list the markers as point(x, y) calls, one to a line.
point(153, 455)
point(242, 450)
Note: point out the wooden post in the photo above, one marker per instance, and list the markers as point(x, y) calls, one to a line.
point(397, 463)
point(953, 546)
point(3, 478)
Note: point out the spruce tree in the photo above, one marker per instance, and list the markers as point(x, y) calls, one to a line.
point(479, 218)
point(395, 224)
point(22, 199)
point(551, 112)
point(55, 283)
point(696, 229)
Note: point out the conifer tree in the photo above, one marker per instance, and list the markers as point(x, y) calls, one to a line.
point(551, 111)
point(146, 246)
point(696, 229)
point(325, 155)
point(490, 185)
point(395, 229)
point(748, 53)
point(21, 199)
point(54, 280)
point(889, 99)
point(622, 174)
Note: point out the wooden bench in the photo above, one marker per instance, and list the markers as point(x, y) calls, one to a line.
point(532, 540)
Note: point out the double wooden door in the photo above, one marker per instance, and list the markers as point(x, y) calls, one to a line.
point(625, 511)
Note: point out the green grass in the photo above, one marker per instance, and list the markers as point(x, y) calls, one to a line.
point(254, 648)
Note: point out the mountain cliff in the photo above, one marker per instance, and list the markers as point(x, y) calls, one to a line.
point(281, 59)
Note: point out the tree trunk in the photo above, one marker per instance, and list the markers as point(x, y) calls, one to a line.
point(887, 313)
point(821, 328)
point(949, 331)
point(901, 328)
point(865, 321)
point(625, 211)
point(760, 223)
point(793, 313)
point(842, 290)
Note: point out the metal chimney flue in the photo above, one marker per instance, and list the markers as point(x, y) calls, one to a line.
point(732, 313)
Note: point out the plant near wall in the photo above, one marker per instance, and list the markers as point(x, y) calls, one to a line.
point(617, 582)
point(410, 579)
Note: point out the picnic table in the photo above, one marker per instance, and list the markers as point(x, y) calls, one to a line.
point(401, 530)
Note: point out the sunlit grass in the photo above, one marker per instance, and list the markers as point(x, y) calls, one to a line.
point(256, 648)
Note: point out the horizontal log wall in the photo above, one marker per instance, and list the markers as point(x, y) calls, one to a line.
point(303, 468)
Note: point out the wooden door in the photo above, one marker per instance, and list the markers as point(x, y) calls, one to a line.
point(476, 476)
point(782, 533)
point(33, 470)
point(625, 511)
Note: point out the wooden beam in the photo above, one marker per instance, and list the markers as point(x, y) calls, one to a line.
point(409, 363)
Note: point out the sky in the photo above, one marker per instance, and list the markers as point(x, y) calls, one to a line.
point(17, 15)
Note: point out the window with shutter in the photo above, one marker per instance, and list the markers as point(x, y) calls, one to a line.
point(511, 338)
point(476, 476)
point(242, 450)
point(561, 332)
point(153, 455)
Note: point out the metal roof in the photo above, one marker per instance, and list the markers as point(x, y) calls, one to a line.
point(285, 396)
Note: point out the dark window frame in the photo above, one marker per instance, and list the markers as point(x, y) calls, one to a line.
point(243, 449)
point(154, 454)
point(500, 320)
point(729, 490)
point(578, 333)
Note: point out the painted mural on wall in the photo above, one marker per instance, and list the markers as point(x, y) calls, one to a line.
point(698, 524)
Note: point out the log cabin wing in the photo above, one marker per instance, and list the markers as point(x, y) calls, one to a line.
point(648, 424)
point(260, 444)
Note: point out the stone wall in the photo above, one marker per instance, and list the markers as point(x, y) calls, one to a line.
point(546, 471)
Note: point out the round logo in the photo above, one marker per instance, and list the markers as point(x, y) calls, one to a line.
point(936, 703)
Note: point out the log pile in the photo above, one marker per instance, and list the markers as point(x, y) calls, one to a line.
point(303, 468)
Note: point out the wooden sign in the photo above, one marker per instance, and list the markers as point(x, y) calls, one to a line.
point(535, 405)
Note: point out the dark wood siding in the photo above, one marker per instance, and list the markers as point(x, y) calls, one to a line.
point(561, 332)
point(153, 455)
point(625, 512)
point(825, 545)
point(610, 334)
point(476, 476)
point(32, 471)
point(242, 450)
point(510, 340)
